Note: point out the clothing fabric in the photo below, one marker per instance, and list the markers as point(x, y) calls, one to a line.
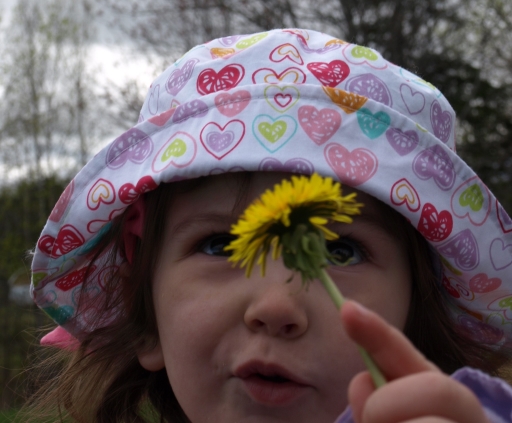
point(494, 394)
point(298, 101)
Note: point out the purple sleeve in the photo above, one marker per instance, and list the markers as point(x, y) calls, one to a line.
point(494, 394)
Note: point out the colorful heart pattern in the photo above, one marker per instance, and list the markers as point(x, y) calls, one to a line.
point(274, 134)
point(472, 200)
point(370, 86)
point(319, 125)
point(281, 98)
point(129, 193)
point(210, 81)
point(220, 141)
point(134, 146)
point(329, 74)
point(434, 163)
point(373, 125)
point(298, 94)
point(403, 142)
point(402, 192)
point(270, 76)
point(232, 104)
point(298, 165)
point(179, 151)
point(351, 167)
point(286, 52)
point(101, 192)
point(61, 206)
point(179, 77)
point(433, 225)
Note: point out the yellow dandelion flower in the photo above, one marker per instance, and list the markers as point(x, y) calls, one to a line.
point(308, 203)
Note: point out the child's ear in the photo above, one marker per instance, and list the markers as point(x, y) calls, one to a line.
point(152, 359)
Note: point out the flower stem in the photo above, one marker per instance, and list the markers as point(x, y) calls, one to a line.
point(338, 299)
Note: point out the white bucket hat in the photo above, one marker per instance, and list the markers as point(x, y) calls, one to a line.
point(298, 101)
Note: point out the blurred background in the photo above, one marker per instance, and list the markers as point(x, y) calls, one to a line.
point(73, 75)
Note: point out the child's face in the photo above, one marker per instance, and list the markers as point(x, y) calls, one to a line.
point(261, 349)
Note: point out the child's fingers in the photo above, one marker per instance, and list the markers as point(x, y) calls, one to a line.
point(414, 398)
point(393, 353)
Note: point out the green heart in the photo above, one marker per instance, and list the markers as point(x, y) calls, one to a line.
point(360, 51)
point(251, 41)
point(176, 149)
point(60, 314)
point(472, 197)
point(37, 277)
point(506, 302)
point(272, 132)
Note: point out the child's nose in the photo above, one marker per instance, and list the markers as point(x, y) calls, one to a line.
point(276, 307)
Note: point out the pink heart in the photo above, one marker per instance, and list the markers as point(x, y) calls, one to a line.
point(319, 125)
point(232, 104)
point(62, 204)
point(481, 283)
point(352, 167)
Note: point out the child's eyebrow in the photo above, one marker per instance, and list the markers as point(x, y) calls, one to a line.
point(203, 219)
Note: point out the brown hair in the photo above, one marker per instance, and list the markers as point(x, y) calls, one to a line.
point(103, 381)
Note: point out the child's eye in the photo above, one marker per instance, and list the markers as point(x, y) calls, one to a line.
point(214, 245)
point(344, 250)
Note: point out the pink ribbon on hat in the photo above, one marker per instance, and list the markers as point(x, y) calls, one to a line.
point(132, 231)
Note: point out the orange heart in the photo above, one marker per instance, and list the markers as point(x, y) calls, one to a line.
point(221, 52)
point(349, 102)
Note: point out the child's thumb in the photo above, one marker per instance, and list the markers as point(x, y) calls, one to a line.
point(360, 388)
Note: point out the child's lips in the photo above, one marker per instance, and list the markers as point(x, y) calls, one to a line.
point(271, 384)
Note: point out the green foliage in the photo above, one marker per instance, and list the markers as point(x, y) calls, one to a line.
point(24, 209)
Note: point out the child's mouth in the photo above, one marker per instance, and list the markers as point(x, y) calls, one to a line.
point(270, 385)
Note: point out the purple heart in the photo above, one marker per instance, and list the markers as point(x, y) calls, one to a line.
point(194, 108)
point(229, 41)
point(480, 331)
point(463, 248)
point(370, 86)
point(435, 163)
point(219, 141)
point(297, 165)
point(179, 77)
point(133, 145)
point(441, 122)
point(402, 142)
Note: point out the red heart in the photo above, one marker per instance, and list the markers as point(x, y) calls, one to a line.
point(67, 240)
point(352, 167)
point(329, 74)
point(163, 117)
point(481, 283)
point(228, 77)
point(232, 104)
point(449, 288)
point(433, 225)
point(128, 193)
point(62, 204)
point(73, 279)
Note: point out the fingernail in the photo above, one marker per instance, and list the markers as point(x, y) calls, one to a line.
point(361, 310)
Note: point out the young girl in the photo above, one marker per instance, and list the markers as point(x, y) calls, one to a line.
point(154, 319)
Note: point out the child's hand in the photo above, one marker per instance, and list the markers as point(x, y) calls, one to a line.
point(417, 391)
